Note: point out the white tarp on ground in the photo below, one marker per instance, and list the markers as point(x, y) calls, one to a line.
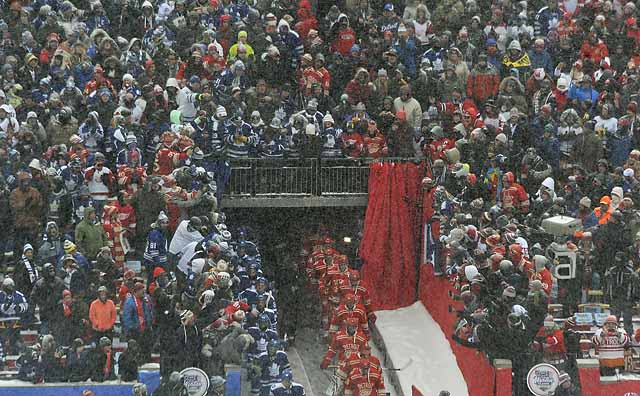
point(411, 335)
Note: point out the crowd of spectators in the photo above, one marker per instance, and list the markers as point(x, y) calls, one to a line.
point(118, 120)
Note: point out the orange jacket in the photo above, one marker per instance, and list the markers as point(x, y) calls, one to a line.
point(102, 315)
point(603, 218)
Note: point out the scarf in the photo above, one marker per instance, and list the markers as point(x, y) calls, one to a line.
point(67, 309)
point(107, 365)
point(140, 310)
point(31, 270)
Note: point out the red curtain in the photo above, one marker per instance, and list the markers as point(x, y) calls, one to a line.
point(388, 246)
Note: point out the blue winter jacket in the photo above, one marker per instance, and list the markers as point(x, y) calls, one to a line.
point(130, 320)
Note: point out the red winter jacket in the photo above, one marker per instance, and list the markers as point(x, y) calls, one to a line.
point(482, 85)
point(596, 52)
point(358, 92)
point(345, 40)
point(306, 22)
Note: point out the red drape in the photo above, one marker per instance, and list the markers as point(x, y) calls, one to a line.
point(390, 236)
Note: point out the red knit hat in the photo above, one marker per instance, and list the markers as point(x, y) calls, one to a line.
point(157, 272)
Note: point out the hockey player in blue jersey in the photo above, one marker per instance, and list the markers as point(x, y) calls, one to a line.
point(259, 310)
point(251, 295)
point(248, 280)
point(268, 368)
point(287, 387)
point(262, 335)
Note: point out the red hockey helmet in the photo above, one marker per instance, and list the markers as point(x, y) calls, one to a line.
point(365, 363)
point(349, 298)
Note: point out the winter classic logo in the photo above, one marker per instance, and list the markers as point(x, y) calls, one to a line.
point(543, 379)
point(196, 381)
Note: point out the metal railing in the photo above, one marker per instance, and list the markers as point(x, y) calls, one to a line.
point(306, 177)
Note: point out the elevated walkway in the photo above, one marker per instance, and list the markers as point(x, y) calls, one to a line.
point(307, 182)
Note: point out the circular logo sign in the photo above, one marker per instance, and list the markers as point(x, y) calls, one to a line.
point(195, 381)
point(543, 379)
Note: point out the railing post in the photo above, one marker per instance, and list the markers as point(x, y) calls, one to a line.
point(254, 177)
point(319, 182)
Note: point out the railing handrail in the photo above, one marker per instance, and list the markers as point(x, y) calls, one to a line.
point(302, 177)
point(364, 160)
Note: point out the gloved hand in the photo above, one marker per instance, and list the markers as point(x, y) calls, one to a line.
point(105, 179)
point(324, 364)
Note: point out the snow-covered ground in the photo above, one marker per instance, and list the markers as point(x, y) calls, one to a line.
point(412, 336)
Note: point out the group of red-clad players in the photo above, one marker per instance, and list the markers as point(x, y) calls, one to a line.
point(346, 314)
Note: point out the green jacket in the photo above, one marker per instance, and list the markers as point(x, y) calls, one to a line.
point(90, 237)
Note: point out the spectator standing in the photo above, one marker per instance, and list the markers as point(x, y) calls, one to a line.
point(137, 318)
point(46, 294)
point(102, 314)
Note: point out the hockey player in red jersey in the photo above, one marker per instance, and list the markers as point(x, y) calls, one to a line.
point(346, 367)
point(353, 285)
point(364, 380)
point(347, 343)
point(349, 309)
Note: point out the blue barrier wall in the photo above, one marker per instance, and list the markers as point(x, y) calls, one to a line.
point(19, 388)
point(233, 387)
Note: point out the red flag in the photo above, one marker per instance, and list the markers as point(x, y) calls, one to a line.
point(415, 391)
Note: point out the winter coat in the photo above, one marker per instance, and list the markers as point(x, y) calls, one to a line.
point(147, 205)
point(98, 362)
point(412, 110)
point(77, 366)
point(67, 328)
point(60, 133)
point(128, 365)
point(102, 315)
point(189, 340)
point(25, 275)
point(483, 84)
point(130, 320)
point(46, 294)
point(586, 151)
point(90, 237)
point(38, 131)
point(27, 207)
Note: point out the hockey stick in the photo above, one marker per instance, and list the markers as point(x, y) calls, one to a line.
point(400, 368)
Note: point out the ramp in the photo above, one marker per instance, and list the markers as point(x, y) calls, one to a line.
point(415, 344)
